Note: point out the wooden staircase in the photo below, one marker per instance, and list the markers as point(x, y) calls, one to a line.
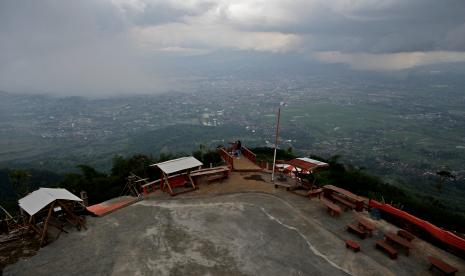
point(246, 163)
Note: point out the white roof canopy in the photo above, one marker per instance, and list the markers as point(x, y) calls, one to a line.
point(176, 165)
point(309, 160)
point(37, 200)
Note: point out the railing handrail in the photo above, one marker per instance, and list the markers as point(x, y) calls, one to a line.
point(249, 154)
point(226, 156)
point(249, 151)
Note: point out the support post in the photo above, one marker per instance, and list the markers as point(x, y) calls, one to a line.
point(44, 233)
point(168, 184)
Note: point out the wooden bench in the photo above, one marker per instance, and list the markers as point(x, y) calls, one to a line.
point(347, 204)
point(405, 234)
point(177, 181)
point(382, 245)
point(333, 209)
point(353, 245)
point(356, 230)
point(442, 266)
point(216, 177)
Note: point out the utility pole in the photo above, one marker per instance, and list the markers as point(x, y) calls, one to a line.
point(275, 144)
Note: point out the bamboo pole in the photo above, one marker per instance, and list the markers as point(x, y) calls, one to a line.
point(275, 144)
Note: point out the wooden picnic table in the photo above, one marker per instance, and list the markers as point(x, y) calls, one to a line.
point(444, 267)
point(366, 225)
point(394, 238)
point(347, 204)
point(356, 230)
point(329, 190)
point(333, 209)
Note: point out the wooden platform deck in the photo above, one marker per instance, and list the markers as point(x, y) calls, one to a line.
point(243, 164)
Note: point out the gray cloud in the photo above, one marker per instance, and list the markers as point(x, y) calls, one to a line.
point(125, 46)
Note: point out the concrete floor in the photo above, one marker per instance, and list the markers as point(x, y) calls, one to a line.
point(237, 227)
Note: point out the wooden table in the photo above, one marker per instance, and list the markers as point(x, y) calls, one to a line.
point(366, 225)
point(333, 209)
point(356, 230)
point(346, 203)
point(393, 238)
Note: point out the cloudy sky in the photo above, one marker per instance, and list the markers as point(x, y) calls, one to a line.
point(119, 46)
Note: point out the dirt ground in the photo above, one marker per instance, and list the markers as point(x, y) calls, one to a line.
point(15, 246)
point(241, 226)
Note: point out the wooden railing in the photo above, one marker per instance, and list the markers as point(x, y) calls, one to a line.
point(226, 156)
point(249, 154)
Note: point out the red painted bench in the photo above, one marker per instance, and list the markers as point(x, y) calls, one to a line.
point(442, 266)
point(177, 181)
point(353, 245)
point(356, 230)
point(382, 245)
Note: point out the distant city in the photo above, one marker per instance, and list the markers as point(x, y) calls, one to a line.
point(398, 130)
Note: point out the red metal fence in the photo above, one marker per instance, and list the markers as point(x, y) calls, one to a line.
point(444, 236)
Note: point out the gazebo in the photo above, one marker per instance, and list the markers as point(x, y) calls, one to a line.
point(307, 164)
point(175, 174)
point(300, 167)
point(44, 203)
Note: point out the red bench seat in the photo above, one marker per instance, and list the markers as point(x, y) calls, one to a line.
point(383, 245)
point(442, 266)
point(177, 181)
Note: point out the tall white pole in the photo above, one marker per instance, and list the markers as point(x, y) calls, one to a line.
point(276, 144)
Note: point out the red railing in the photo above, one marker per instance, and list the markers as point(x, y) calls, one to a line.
point(226, 156)
point(454, 242)
point(249, 154)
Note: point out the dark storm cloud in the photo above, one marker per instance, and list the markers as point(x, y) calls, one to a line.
point(113, 46)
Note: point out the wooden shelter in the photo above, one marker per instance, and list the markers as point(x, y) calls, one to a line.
point(307, 164)
point(303, 168)
point(46, 203)
point(176, 174)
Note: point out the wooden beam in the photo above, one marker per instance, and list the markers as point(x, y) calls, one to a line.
point(44, 233)
point(192, 181)
point(168, 183)
point(78, 221)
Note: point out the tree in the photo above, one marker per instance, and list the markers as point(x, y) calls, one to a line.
point(19, 180)
point(443, 176)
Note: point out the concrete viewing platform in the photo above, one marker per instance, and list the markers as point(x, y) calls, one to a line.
point(239, 226)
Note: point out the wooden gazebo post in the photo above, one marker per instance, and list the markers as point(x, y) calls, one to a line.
point(44, 232)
